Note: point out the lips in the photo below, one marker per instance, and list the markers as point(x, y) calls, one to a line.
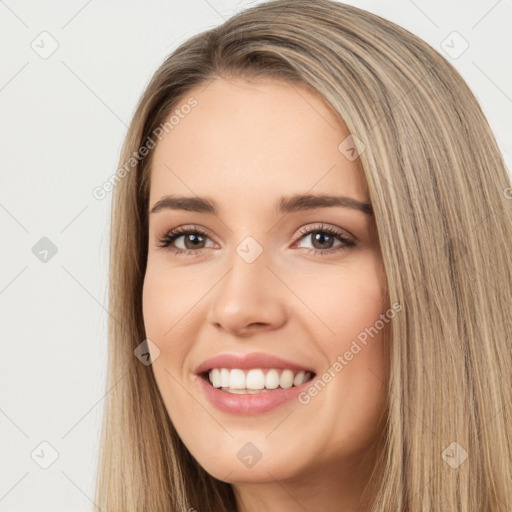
point(249, 402)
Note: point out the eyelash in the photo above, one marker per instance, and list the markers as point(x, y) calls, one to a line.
point(166, 241)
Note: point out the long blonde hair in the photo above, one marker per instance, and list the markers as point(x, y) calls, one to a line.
point(441, 197)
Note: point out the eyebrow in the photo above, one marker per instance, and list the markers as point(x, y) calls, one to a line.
point(285, 205)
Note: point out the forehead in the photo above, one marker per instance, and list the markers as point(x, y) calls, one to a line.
point(254, 140)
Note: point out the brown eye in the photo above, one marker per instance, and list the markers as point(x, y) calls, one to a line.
point(323, 238)
point(193, 240)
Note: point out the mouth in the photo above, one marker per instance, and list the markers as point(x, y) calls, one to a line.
point(255, 380)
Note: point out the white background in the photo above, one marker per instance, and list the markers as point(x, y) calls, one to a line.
point(62, 122)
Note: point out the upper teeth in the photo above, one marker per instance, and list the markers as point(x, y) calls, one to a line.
point(256, 378)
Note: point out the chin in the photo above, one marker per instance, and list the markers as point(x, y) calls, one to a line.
point(245, 462)
point(262, 472)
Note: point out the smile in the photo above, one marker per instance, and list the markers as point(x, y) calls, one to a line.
point(256, 380)
point(251, 383)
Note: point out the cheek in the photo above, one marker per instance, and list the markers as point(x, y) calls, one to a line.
point(353, 308)
point(168, 301)
point(165, 306)
point(346, 300)
point(156, 299)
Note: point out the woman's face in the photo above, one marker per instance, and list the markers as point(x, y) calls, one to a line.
point(268, 274)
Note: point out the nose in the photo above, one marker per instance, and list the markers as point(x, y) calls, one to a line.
point(248, 299)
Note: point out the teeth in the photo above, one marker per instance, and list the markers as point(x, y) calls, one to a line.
point(224, 378)
point(255, 380)
point(272, 379)
point(299, 378)
point(286, 379)
point(236, 379)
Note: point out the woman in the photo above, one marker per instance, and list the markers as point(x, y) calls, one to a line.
point(367, 370)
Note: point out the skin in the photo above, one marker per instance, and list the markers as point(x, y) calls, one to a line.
point(245, 145)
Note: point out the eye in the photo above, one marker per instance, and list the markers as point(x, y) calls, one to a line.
point(324, 237)
point(194, 240)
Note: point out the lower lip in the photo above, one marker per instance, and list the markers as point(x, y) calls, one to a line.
point(249, 404)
